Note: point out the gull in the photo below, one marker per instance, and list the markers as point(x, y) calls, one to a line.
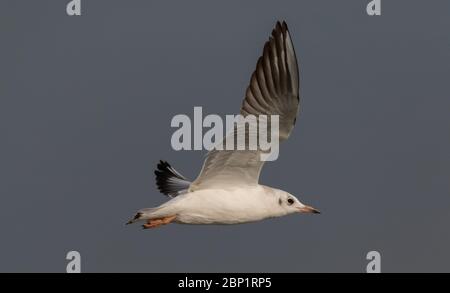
point(227, 190)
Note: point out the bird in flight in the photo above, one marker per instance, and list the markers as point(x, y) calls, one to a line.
point(227, 190)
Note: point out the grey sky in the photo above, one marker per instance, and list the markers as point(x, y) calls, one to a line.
point(85, 109)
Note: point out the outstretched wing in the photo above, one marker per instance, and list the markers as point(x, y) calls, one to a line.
point(274, 85)
point(169, 181)
point(273, 90)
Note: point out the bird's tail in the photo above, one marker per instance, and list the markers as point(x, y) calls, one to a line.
point(143, 214)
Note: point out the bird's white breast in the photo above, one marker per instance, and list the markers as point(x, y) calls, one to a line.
point(220, 206)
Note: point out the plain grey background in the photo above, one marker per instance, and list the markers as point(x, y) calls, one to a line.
point(85, 110)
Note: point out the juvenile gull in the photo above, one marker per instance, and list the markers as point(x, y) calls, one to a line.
point(227, 190)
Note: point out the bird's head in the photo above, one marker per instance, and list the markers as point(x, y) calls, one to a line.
point(290, 204)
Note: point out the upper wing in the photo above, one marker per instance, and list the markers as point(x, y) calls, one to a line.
point(273, 90)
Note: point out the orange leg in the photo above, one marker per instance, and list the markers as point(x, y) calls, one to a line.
point(158, 222)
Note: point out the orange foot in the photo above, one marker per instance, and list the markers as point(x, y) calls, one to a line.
point(158, 222)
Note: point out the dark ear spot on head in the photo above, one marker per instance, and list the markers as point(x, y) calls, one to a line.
point(280, 201)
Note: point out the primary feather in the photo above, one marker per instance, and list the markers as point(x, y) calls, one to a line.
point(169, 181)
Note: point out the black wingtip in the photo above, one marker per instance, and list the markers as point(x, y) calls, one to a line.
point(162, 165)
point(284, 26)
point(280, 28)
point(168, 180)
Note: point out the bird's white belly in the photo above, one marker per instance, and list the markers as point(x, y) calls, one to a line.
point(217, 206)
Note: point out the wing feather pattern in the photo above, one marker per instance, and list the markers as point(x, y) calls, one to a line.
point(273, 90)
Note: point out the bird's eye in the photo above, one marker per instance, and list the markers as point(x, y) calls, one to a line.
point(290, 201)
